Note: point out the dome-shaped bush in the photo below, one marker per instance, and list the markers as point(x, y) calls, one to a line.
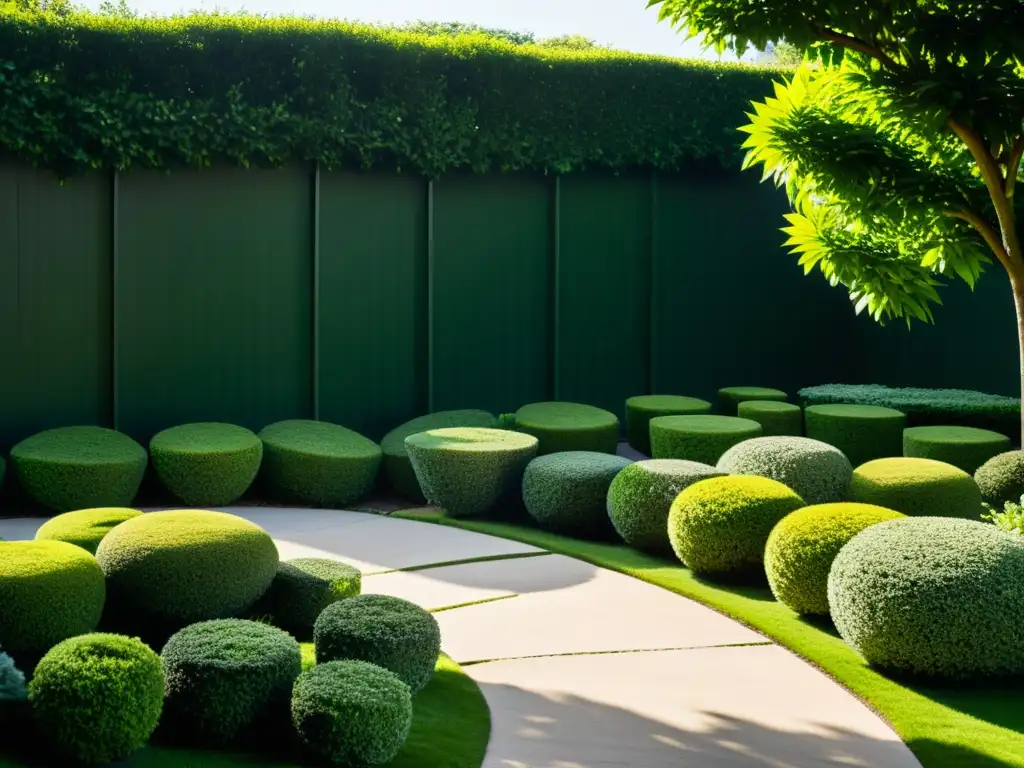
point(917, 487)
point(314, 462)
point(1001, 478)
point(398, 471)
point(802, 546)
point(640, 496)
point(775, 418)
point(225, 675)
point(85, 528)
point(80, 468)
point(166, 570)
point(817, 472)
point(862, 432)
point(561, 427)
point(351, 712)
point(720, 526)
point(387, 631)
point(97, 698)
point(302, 589)
point(466, 470)
point(964, 447)
point(699, 438)
point(933, 596)
point(207, 464)
point(49, 591)
point(729, 398)
point(568, 492)
point(641, 409)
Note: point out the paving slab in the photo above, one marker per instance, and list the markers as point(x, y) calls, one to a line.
point(751, 707)
point(20, 528)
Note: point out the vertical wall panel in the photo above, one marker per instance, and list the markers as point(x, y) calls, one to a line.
point(213, 298)
point(372, 300)
point(490, 292)
point(603, 279)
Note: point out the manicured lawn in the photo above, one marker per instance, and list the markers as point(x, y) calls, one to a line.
point(980, 726)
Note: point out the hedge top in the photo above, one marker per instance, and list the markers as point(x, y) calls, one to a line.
point(394, 441)
point(855, 411)
point(562, 415)
point(752, 393)
point(319, 438)
point(79, 446)
point(204, 437)
point(31, 559)
point(659, 403)
point(472, 440)
point(955, 436)
point(706, 424)
point(913, 400)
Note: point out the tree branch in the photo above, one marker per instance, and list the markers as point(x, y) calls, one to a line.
point(1013, 165)
point(855, 44)
point(987, 231)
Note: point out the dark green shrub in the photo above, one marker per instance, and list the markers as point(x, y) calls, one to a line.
point(720, 526)
point(561, 427)
point(641, 409)
point(387, 631)
point(862, 432)
point(818, 472)
point(398, 469)
point(351, 712)
point(314, 462)
point(1001, 478)
point(964, 447)
point(85, 528)
point(801, 548)
point(729, 398)
point(225, 675)
point(466, 470)
point(302, 589)
point(14, 711)
point(568, 492)
point(80, 468)
point(641, 495)
point(917, 487)
point(97, 698)
point(699, 438)
point(775, 418)
point(49, 591)
point(932, 596)
point(207, 464)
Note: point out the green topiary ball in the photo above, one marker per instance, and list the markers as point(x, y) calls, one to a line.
point(466, 471)
point(561, 427)
point(802, 546)
point(641, 495)
point(207, 464)
point(85, 528)
point(641, 409)
point(49, 591)
point(80, 468)
point(729, 398)
point(817, 472)
point(917, 487)
point(226, 675)
point(97, 698)
point(964, 447)
point(351, 712)
point(862, 432)
point(166, 570)
point(398, 468)
point(302, 589)
point(720, 526)
point(568, 492)
point(699, 438)
point(1001, 479)
point(932, 596)
point(314, 462)
point(774, 417)
point(387, 631)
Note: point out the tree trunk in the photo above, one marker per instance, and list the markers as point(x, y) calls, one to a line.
point(1017, 282)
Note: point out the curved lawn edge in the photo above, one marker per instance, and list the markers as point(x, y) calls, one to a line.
point(945, 727)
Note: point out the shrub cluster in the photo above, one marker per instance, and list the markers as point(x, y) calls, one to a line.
point(302, 589)
point(819, 473)
point(206, 464)
point(85, 528)
point(561, 427)
point(568, 492)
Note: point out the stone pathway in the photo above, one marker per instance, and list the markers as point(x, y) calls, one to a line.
point(587, 668)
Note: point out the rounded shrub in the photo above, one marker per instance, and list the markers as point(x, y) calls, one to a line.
point(561, 427)
point(352, 713)
point(1001, 478)
point(641, 495)
point(818, 472)
point(314, 462)
point(568, 492)
point(721, 526)
point(166, 570)
point(49, 591)
point(964, 447)
point(641, 409)
point(917, 487)
point(302, 589)
point(729, 398)
point(225, 675)
point(97, 698)
point(699, 438)
point(862, 432)
point(207, 464)
point(387, 631)
point(932, 596)
point(398, 471)
point(775, 418)
point(80, 468)
point(467, 470)
point(84, 528)
point(801, 548)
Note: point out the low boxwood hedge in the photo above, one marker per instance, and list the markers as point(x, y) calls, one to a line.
point(818, 472)
point(729, 398)
point(642, 408)
point(561, 426)
point(302, 589)
point(964, 447)
point(568, 492)
point(776, 418)
point(699, 438)
point(863, 432)
point(1001, 479)
point(917, 487)
point(85, 528)
point(206, 464)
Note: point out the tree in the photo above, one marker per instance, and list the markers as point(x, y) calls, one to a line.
point(569, 42)
point(453, 28)
point(118, 8)
point(780, 54)
point(901, 154)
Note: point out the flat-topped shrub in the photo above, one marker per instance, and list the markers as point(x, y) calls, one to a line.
point(699, 438)
point(206, 464)
point(642, 408)
point(560, 427)
point(863, 432)
point(818, 472)
point(85, 528)
point(302, 589)
point(964, 447)
point(729, 398)
point(1001, 478)
point(568, 492)
point(917, 487)
point(776, 418)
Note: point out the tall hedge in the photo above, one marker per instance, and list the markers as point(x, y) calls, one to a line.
point(93, 91)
